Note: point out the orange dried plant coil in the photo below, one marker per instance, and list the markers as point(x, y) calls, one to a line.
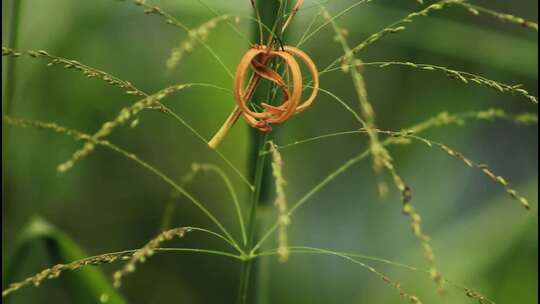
point(254, 118)
point(257, 57)
point(314, 75)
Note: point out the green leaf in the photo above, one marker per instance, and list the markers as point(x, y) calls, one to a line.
point(85, 285)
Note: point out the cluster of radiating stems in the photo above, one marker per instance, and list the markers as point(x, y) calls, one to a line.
point(395, 138)
point(248, 250)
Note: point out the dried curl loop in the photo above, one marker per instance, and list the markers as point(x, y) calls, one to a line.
point(257, 58)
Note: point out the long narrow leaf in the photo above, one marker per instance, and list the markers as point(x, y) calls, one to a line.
point(84, 284)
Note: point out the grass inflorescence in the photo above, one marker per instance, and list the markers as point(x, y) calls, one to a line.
point(478, 10)
point(406, 135)
point(381, 157)
point(125, 115)
point(199, 33)
point(147, 251)
point(378, 140)
point(150, 101)
point(464, 77)
point(280, 202)
point(10, 52)
point(87, 71)
point(55, 271)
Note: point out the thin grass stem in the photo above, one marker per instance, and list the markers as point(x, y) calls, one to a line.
point(232, 191)
point(82, 136)
point(439, 120)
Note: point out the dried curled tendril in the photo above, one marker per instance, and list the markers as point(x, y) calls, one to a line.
point(257, 59)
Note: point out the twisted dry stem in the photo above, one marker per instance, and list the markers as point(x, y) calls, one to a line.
point(257, 58)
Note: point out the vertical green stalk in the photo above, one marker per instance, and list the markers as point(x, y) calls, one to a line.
point(269, 12)
point(9, 85)
point(255, 198)
point(263, 263)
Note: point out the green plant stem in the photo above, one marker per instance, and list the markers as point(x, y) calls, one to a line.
point(9, 86)
point(263, 263)
point(9, 92)
point(255, 197)
point(268, 14)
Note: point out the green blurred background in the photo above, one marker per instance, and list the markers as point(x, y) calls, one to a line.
point(481, 237)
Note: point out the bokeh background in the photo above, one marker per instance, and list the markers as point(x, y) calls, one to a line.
point(482, 238)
